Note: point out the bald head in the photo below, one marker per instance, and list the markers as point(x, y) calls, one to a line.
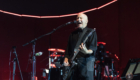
point(82, 20)
point(83, 15)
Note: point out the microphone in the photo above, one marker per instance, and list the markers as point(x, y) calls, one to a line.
point(38, 53)
point(71, 22)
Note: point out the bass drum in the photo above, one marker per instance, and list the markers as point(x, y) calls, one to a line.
point(60, 59)
point(56, 74)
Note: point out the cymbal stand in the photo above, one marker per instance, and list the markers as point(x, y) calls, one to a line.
point(29, 64)
point(114, 76)
point(49, 58)
point(14, 64)
point(99, 69)
point(101, 65)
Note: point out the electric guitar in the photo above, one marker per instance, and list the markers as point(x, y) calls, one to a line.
point(68, 69)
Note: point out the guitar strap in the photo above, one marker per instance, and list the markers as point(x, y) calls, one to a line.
point(79, 40)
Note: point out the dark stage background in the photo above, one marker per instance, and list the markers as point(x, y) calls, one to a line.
point(117, 24)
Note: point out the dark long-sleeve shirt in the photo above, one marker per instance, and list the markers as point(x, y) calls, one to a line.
point(91, 42)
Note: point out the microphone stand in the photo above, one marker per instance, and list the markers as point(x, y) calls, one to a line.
point(14, 64)
point(34, 61)
point(33, 46)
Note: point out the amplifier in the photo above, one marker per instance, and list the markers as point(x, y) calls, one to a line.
point(132, 70)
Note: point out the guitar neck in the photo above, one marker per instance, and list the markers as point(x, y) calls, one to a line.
point(75, 54)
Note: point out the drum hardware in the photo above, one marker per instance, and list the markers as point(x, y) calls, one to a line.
point(105, 63)
point(45, 73)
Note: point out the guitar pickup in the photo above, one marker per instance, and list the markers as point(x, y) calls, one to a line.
point(74, 62)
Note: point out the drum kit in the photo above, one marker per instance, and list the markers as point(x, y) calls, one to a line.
point(56, 58)
point(104, 64)
point(56, 63)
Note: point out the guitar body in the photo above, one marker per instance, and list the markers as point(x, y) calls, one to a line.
point(68, 71)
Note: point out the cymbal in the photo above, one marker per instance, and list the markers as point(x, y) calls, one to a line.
point(56, 50)
point(101, 43)
point(53, 65)
point(54, 55)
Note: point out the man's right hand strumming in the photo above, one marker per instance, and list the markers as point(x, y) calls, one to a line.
point(66, 62)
